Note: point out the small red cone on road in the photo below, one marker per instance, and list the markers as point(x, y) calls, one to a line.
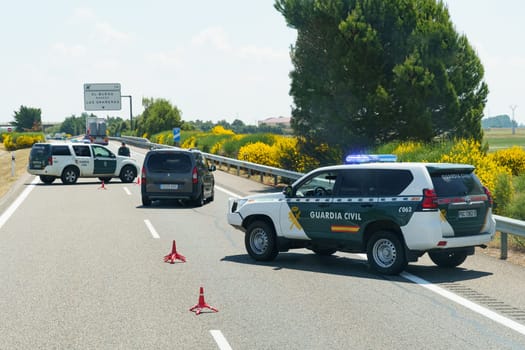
point(138, 180)
point(171, 257)
point(202, 304)
point(103, 187)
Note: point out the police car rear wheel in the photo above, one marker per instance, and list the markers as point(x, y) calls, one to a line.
point(447, 259)
point(386, 254)
point(260, 241)
point(47, 179)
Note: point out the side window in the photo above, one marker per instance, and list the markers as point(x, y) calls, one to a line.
point(101, 152)
point(319, 185)
point(351, 184)
point(82, 151)
point(374, 182)
point(61, 151)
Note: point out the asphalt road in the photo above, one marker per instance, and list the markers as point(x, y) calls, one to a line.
point(82, 268)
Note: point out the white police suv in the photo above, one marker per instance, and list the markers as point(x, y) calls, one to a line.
point(70, 161)
point(393, 211)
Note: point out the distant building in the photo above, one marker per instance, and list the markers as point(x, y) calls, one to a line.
point(282, 122)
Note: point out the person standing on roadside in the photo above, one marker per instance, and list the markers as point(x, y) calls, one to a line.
point(124, 150)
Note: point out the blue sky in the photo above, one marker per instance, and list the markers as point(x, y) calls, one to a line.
point(214, 60)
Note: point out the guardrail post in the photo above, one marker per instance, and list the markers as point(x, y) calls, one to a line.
point(238, 170)
point(503, 249)
point(275, 180)
point(262, 177)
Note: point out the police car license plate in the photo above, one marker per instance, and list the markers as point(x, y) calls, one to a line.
point(467, 213)
point(169, 187)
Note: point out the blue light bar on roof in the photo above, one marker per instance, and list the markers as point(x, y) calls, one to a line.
point(370, 158)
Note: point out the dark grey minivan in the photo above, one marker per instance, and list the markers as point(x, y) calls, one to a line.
point(175, 173)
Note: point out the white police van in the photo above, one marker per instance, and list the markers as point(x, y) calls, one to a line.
point(393, 211)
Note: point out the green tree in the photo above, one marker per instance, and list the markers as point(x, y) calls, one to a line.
point(159, 115)
point(27, 119)
point(372, 71)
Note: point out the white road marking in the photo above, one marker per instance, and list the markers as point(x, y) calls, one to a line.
point(12, 208)
point(220, 339)
point(227, 192)
point(151, 229)
point(483, 311)
point(127, 191)
point(466, 303)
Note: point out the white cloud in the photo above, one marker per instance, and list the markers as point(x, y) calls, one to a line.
point(262, 53)
point(110, 35)
point(214, 36)
point(70, 51)
point(83, 13)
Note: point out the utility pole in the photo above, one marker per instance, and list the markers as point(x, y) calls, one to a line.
point(513, 108)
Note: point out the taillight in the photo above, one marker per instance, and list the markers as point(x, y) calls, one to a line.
point(49, 160)
point(487, 192)
point(143, 176)
point(430, 199)
point(194, 176)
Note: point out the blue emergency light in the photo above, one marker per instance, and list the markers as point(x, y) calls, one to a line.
point(370, 158)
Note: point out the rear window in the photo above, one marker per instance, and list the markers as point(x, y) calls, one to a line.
point(169, 163)
point(61, 151)
point(40, 150)
point(456, 184)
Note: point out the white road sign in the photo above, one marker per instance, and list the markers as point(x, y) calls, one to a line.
point(101, 97)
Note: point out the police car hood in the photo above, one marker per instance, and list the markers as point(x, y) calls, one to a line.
point(265, 197)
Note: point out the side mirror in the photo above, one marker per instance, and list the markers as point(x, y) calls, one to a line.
point(288, 191)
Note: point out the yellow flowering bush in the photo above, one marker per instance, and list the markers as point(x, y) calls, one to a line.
point(220, 130)
point(288, 157)
point(512, 158)
point(259, 153)
point(189, 142)
point(405, 149)
point(8, 143)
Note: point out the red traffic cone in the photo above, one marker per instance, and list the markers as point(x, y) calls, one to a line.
point(202, 304)
point(171, 257)
point(138, 180)
point(102, 186)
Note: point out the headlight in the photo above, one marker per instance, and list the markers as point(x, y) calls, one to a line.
point(241, 202)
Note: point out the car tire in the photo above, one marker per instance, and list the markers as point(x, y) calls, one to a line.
point(128, 174)
point(324, 251)
point(146, 202)
point(448, 259)
point(70, 175)
point(386, 253)
point(47, 179)
point(260, 241)
point(105, 179)
point(199, 201)
point(212, 197)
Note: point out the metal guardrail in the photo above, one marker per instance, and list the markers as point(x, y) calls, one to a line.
point(504, 224)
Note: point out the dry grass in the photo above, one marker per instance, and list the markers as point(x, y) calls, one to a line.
point(21, 158)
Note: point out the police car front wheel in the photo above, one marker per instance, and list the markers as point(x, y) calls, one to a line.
point(385, 253)
point(260, 241)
